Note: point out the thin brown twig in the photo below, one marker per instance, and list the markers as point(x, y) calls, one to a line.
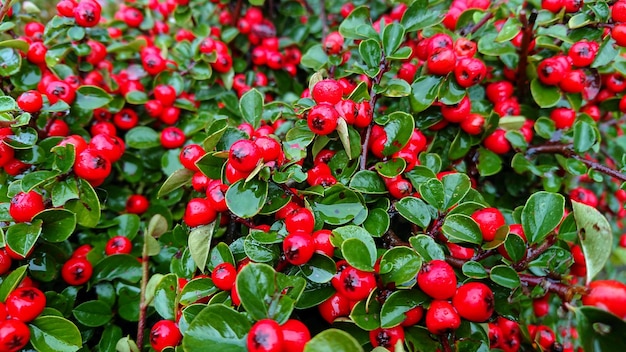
point(373, 98)
point(6, 6)
point(527, 37)
point(143, 305)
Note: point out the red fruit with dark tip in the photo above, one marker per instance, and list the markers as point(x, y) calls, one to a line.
point(118, 245)
point(244, 155)
point(87, 13)
point(322, 119)
point(166, 94)
point(387, 338)
point(224, 276)
point(216, 194)
point(497, 142)
point(165, 333)
point(442, 318)
point(336, 306)
point(300, 220)
point(172, 137)
point(473, 124)
point(458, 112)
point(489, 220)
point(92, 165)
point(437, 279)
point(298, 248)
point(469, 72)
point(190, 154)
point(265, 336)
point(327, 91)
point(5, 261)
point(355, 284)
point(295, 335)
point(551, 71)
point(14, 335)
point(25, 205)
point(321, 240)
point(77, 271)
point(413, 316)
point(474, 301)
point(25, 304)
point(441, 62)
point(199, 212)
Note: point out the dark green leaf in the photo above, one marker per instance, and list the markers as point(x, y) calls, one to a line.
point(460, 228)
point(420, 15)
point(414, 210)
point(200, 243)
point(119, 266)
point(358, 25)
point(392, 37)
point(358, 253)
point(338, 206)
point(427, 248)
point(176, 180)
point(397, 304)
point(92, 97)
point(399, 265)
point(246, 199)
point(425, 89)
point(541, 215)
point(504, 275)
point(251, 107)
point(584, 136)
point(319, 269)
point(217, 328)
point(544, 96)
point(433, 193)
point(53, 334)
point(142, 137)
point(93, 313)
point(165, 297)
point(599, 330)
point(58, 224)
point(606, 53)
point(333, 340)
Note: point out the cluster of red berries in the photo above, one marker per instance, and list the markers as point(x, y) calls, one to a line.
point(505, 334)
point(566, 71)
point(22, 305)
point(94, 159)
point(458, 7)
point(87, 13)
point(618, 15)
point(330, 106)
point(267, 335)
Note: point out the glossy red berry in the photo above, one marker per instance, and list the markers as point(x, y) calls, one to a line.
point(166, 94)
point(437, 279)
point(497, 142)
point(224, 276)
point(82, 251)
point(469, 72)
point(137, 204)
point(91, 165)
point(199, 212)
point(300, 220)
point(387, 338)
point(413, 316)
point(190, 154)
point(25, 205)
point(489, 220)
point(334, 307)
point(473, 124)
point(441, 62)
point(298, 247)
point(551, 71)
point(609, 295)
point(25, 303)
point(563, 117)
point(77, 271)
point(30, 101)
point(295, 335)
point(583, 53)
point(474, 301)
point(172, 137)
point(356, 284)
point(265, 336)
point(5, 261)
point(118, 245)
point(165, 333)
point(327, 91)
point(14, 335)
point(442, 318)
point(321, 240)
point(59, 90)
point(458, 112)
point(244, 155)
point(322, 119)
point(109, 146)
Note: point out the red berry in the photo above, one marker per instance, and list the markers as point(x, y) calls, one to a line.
point(199, 212)
point(327, 91)
point(82, 251)
point(489, 220)
point(30, 101)
point(172, 137)
point(77, 271)
point(165, 333)
point(118, 245)
point(322, 119)
point(474, 301)
point(473, 124)
point(295, 335)
point(441, 62)
point(109, 146)
point(582, 53)
point(469, 72)
point(265, 336)
point(437, 279)
point(551, 71)
point(25, 303)
point(458, 112)
point(413, 316)
point(190, 154)
point(244, 155)
point(442, 318)
point(609, 295)
point(356, 284)
point(59, 90)
point(166, 94)
point(300, 220)
point(334, 307)
point(298, 247)
point(24, 206)
point(387, 338)
point(137, 204)
point(91, 165)
point(87, 13)
point(497, 142)
point(5, 261)
point(321, 240)
point(216, 194)
point(563, 117)
point(14, 335)
point(224, 276)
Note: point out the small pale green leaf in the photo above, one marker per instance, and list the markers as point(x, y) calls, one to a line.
point(596, 237)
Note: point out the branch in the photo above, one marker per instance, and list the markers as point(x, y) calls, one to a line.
point(566, 150)
point(237, 12)
point(143, 305)
point(534, 253)
point(6, 7)
point(527, 37)
point(390, 240)
point(383, 67)
point(323, 19)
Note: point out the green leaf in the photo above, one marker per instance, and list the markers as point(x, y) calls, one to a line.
point(541, 215)
point(397, 304)
point(217, 328)
point(142, 137)
point(246, 199)
point(251, 107)
point(544, 96)
point(11, 282)
point(165, 297)
point(36, 178)
point(474, 270)
point(7, 104)
point(599, 330)
point(584, 136)
point(91, 97)
point(367, 182)
point(596, 237)
point(433, 193)
point(358, 25)
point(261, 291)
point(53, 334)
point(93, 313)
point(359, 254)
point(118, 266)
point(414, 210)
point(392, 37)
point(455, 187)
point(420, 15)
point(15, 43)
point(425, 89)
point(399, 265)
point(11, 62)
point(176, 180)
point(197, 289)
point(136, 97)
point(509, 30)
point(371, 53)
point(506, 276)
point(366, 314)
point(489, 163)
point(606, 53)
point(319, 269)
point(460, 228)
point(338, 206)
point(377, 222)
point(87, 208)
point(390, 168)
point(333, 340)
point(21, 237)
point(58, 224)
point(399, 127)
point(314, 58)
point(427, 248)
point(200, 244)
